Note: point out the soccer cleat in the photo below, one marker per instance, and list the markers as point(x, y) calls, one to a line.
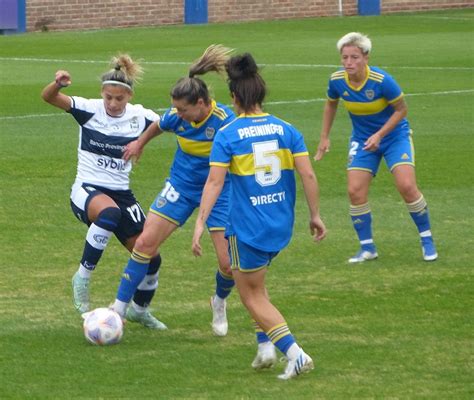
point(428, 248)
point(145, 318)
point(80, 292)
point(301, 365)
point(266, 356)
point(364, 255)
point(219, 317)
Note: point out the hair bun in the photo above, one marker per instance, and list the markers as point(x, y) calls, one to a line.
point(242, 66)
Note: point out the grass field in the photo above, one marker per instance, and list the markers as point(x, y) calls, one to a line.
point(395, 328)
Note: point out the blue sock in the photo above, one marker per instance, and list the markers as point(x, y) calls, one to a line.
point(224, 284)
point(133, 274)
point(420, 215)
point(147, 288)
point(281, 337)
point(362, 220)
point(260, 334)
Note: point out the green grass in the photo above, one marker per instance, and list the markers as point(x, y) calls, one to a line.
point(395, 328)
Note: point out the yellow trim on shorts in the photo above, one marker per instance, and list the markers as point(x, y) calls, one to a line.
point(164, 216)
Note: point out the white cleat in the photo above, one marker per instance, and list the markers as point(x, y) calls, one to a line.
point(80, 293)
point(301, 365)
point(145, 318)
point(363, 255)
point(219, 316)
point(266, 356)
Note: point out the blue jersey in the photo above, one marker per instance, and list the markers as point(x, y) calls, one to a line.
point(259, 151)
point(368, 105)
point(190, 166)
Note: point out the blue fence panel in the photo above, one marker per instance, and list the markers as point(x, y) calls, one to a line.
point(195, 12)
point(369, 7)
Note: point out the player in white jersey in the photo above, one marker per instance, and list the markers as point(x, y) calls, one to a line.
point(101, 195)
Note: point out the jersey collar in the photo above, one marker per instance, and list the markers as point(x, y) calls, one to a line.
point(243, 115)
point(346, 78)
point(199, 124)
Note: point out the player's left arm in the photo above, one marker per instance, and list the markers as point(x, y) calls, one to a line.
point(392, 92)
point(212, 190)
point(400, 112)
point(311, 192)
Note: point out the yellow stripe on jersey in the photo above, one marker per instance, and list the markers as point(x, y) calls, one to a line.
point(373, 107)
point(396, 98)
point(195, 147)
point(304, 153)
point(338, 75)
point(375, 73)
point(374, 78)
point(220, 113)
point(219, 164)
point(244, 164)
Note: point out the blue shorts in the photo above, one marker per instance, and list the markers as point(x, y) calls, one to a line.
point(396, 150)
point(132, 220)
point(246, 258)
point(177, 208)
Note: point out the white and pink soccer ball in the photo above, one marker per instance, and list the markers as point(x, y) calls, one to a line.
point(103, 326)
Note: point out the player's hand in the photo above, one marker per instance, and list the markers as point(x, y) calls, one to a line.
point(323, 148)
point(372, 143)
point(196, 246)
point(133, 151)
point(317, 228)
point(62, 78)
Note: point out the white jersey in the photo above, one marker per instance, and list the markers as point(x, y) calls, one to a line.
point(102, 139)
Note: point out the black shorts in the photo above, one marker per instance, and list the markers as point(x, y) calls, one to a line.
point(132, 220)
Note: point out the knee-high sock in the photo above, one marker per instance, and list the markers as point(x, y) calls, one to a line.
point(420, 215)
point(362, 220)
point(147, 287)
point(97, 238)
point(224, 284)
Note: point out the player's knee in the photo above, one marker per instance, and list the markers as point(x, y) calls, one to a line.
point(109, 218)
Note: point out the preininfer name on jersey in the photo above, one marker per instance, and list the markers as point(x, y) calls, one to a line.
point(260, 130)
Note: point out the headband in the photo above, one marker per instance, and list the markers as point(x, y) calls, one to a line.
point(112, 82)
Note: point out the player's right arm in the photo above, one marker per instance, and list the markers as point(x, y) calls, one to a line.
point(52, 95)
point(134, 149)
point(329, 113)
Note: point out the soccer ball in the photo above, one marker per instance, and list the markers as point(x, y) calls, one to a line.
point(103, 326)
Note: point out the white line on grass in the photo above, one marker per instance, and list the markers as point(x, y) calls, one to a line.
point(56, 60)
point(439, 17)
point(269, 103)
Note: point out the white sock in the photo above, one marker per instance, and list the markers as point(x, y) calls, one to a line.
point(84, 272)
point(217, 300)
point(120, 307)
point(138, 309)
point(294, 351)
point(265, 345)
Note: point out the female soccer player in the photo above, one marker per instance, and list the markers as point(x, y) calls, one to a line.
point(101, 196)
point(379, 129)
point(261, 152)
point(195, 118)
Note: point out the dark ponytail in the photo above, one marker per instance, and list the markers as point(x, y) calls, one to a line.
point(245, 81)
